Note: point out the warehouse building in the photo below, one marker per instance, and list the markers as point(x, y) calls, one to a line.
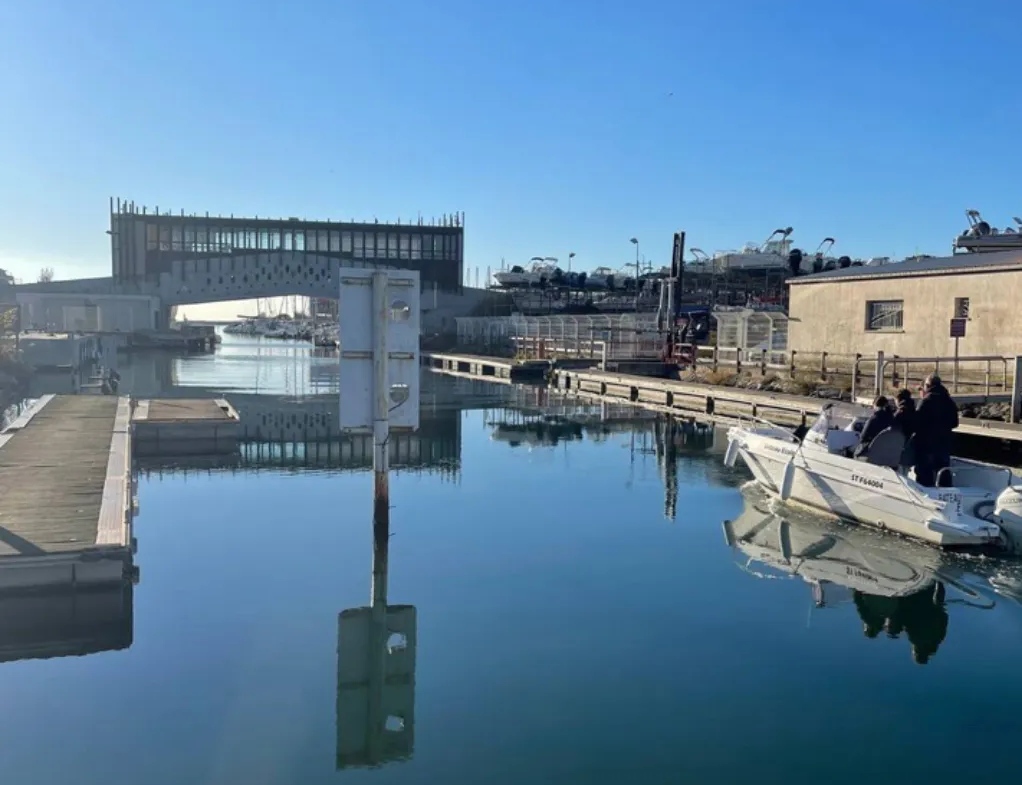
point(906, 308)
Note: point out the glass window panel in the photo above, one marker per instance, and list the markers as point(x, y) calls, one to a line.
point(359, 245)
point(335, 240)
point(345, 242)
point(416, 246)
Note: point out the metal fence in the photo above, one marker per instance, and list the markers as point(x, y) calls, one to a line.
point(614, 336)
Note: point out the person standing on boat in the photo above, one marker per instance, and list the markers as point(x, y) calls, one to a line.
point(936, 419)
point(905, 413)
point(881, 419)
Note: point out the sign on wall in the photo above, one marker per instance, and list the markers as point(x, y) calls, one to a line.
point(958, 327)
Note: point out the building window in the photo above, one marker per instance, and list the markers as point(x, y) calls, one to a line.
point(392, 245)
point(427, 246)
point(403, 240)
point(345, 242)
point(961, 307)
point(359, 246)
point(885, 315)
point(416, 247)
point(335, 240)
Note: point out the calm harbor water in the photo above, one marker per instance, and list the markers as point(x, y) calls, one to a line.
point(582, 613)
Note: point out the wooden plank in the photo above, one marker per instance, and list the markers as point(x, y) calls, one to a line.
point(52, 473)
point(113, 528)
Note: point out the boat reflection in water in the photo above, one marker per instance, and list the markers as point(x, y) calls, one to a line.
point(897, 586)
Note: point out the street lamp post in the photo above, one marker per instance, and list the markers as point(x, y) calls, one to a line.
point(635, 242)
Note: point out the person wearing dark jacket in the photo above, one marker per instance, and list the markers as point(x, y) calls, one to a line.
point(881, 420)
point(936, 419)
point(905, 414)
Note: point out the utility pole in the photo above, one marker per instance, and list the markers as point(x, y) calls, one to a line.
point(635, 242)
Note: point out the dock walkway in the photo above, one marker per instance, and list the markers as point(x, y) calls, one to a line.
point(65, 483)
point(703, 401)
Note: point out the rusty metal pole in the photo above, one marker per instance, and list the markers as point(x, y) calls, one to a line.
point(381, 405)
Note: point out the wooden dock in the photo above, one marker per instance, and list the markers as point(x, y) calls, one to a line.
point(185, 426)
point(701, 401)
point(730, 403)
point(499, 367)
point(65, 493)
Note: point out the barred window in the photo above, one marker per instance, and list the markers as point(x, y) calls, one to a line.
point(885, 314)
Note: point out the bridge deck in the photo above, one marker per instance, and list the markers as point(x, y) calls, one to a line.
point(64, 481)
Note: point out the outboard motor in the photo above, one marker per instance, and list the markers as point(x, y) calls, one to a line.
point(981, 229)
point(844, 261)
point(1008, 515)
point(795, 261)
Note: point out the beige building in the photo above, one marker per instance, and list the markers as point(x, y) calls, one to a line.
point(906, 308)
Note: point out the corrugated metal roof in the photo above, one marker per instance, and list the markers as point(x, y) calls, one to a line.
point(994, 261)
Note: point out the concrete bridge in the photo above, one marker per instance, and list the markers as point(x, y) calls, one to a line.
point(160, 261)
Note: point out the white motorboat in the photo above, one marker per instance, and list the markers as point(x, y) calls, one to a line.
point(600, 278)
point(983, 506)
point(981, 237)
point(542, 272)
point(515, 277)
point(772, 254)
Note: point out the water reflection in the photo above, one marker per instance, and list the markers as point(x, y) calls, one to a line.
point(897, 587)
point(65, 621)
point(376, 646)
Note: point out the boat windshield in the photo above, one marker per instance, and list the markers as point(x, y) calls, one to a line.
point(840, 417)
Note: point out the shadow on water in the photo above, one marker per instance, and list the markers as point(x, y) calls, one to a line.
point(897, 587)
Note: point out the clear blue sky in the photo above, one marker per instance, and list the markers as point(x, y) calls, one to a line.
point(550, 124)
